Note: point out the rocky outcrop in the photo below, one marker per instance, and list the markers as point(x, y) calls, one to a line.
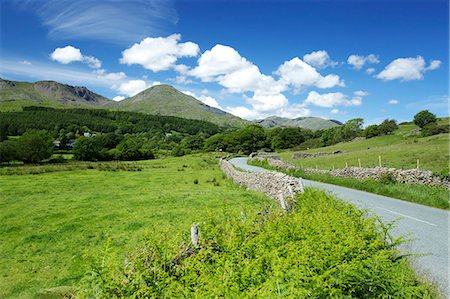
point(406, 176)
point(271, 183)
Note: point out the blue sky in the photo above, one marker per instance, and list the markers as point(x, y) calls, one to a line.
point(332, 59)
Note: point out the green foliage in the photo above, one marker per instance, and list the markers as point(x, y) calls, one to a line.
point(372, 131)
point(434, 129)
point(346, 132)
point(246, 140)
point(443, 173)
point(8, 151)
point(387, 178)
point(34, 146)
point(324, 248)
point(424, 118)
point(388, 126)
point(134, 148)
point(282, 138)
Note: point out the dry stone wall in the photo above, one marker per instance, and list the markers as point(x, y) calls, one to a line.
point(408, 176)
point(271, 183)
point(305, 155)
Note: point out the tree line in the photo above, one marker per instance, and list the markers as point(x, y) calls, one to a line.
point(118, 135)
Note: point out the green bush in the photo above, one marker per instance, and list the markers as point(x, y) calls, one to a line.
point(323, 248)
point(423, 118)
point(387, 178)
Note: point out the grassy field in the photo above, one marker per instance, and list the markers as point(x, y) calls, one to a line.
point(400, 150)
point(53, 221)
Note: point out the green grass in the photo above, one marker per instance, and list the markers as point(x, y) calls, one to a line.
point(437, 197)
point(322, 248)
point(400, 150)
point(54, 219)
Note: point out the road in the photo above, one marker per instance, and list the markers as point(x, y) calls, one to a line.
point(429, 227)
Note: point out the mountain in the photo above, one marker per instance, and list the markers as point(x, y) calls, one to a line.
point(312, 123)
point(166, 100)
point(15, 94)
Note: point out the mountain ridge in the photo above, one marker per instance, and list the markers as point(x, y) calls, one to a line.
point(160, 99)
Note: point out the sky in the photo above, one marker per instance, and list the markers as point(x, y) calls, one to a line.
point(332, 59)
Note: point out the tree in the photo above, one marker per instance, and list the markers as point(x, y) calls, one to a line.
point(424, 118)
point(34, 146)
point(372, 131)
point(87, 149)
point(8, 151)
point(388, 126)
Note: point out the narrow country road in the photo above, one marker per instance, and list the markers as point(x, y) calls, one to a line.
point(428, 227)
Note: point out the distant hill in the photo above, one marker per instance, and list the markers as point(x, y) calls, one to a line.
point(166, 100)
point(15, 94)
point(312, 123)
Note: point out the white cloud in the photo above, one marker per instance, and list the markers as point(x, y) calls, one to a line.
point(92, 62)
point(360, 93)
point(245, 113)
point(208, 100)
point(110, 76)
point(319, 59)
point(358, 61)
point(407, 69)
point(66, 55)
point(121, 22)
point(370, 70)
point(159, 53)
point(268, 103)
point(26, 62)
point(131, 87)
point(118, 98)
point(70, 54)
point(334, 111)
point(328, 100)
point(393, 102)
point(300, 75)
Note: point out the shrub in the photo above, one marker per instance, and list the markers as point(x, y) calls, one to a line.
point(323, 248)
point(8, 151)
point(387, 178)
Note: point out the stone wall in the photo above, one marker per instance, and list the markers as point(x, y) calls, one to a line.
point(408, 176)
point(271, 183)
point(305, 155)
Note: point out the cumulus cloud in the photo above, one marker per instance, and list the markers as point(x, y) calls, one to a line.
point(370, 70)
point(159, 53)
point(328, 100)
point(70, 54)
point(103, 74)
point(300, 75)
point(358, 61)
point(205, 99)
point(334, 111)
point(118, 98)
point(319, 59)
point(393, 102)
point(407, 69)
point(132, 87)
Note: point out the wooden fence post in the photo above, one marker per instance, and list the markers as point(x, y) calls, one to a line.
point(417, 163)
point(346, 165)
point(379, 160)
point(359, 162)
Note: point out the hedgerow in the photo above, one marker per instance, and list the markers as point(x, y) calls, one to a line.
point(322, 248)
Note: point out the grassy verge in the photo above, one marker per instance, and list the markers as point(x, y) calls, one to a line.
point(322, 248)
point(426, 195)
point(52, 220)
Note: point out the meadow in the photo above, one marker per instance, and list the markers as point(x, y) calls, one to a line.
point(54, 219)
point(399, 150)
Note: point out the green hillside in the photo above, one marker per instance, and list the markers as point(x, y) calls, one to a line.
point(166, 100)
point(399, 150)
point(312, 123)
point(15, 95)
